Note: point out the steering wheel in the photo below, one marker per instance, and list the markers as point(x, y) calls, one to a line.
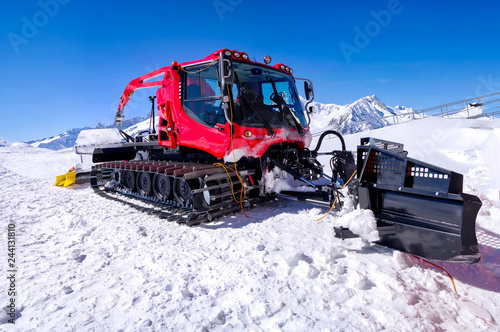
point(249, 94)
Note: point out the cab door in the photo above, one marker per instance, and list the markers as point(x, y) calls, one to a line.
point(202, 124)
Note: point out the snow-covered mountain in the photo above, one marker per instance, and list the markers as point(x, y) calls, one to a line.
point(135, 129)
point(366, 113)
point(68, 138)
point(61, 141)
point(4, 142)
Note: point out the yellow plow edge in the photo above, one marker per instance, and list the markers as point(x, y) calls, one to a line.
point(65, 180)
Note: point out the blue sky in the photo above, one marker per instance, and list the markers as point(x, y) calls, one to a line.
point(64, 63)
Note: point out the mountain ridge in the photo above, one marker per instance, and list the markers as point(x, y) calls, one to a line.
point(68, 138)
point(4, 142)
point(366, 113)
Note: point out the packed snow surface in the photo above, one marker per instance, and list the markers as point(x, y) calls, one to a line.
point(90, 264)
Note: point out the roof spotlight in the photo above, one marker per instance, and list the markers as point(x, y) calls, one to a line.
point(236, 54)
point(227, 53)
point(267, 59)
point(244, 56)
point(291, 71)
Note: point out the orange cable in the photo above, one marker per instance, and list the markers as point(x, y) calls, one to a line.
point(452, 280)
point(337, 196)
point(239, 178)
point(449, 275)
point(334, 201)
point(243, 191)
point(199, 71)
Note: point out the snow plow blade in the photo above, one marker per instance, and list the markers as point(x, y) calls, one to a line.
point(70, 179)
point(420, 208)
point(60, 180)
point(65, 180)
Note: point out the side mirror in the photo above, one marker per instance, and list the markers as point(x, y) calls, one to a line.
point(226, 73)
point(308, 89)
point(309, 92)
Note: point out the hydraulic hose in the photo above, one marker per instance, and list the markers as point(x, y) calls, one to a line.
point(329, 132)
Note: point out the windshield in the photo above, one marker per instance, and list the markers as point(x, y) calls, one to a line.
point(255, 102)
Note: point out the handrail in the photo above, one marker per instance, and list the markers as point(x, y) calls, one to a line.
point(427, 112)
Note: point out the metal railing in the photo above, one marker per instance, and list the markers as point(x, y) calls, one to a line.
point(445, 110)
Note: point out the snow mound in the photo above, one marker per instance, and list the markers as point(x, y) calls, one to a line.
point(471, 112)
point(360, 222)
point(21, 145)
point(98, 136)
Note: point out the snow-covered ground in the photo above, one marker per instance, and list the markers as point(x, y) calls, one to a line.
point(88, 264)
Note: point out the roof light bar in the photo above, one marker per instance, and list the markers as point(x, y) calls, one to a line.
point(284, 68)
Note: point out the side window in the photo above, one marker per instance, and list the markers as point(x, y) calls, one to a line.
point(201, 99)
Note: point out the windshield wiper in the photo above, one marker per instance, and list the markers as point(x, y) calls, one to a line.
point(250, 98)
point(285, 110)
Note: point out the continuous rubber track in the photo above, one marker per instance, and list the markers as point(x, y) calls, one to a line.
point(188, 193)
